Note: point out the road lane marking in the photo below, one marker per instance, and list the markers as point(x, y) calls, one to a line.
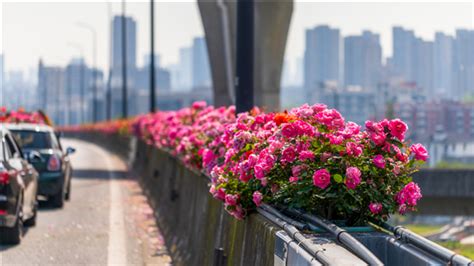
point(117, 248)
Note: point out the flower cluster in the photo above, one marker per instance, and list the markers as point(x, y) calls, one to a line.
point(309, 158)
point(20, 116)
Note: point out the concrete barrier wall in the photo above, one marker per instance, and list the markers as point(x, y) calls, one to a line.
point(193, 223)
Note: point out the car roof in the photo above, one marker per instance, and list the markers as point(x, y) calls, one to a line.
point(27, 126)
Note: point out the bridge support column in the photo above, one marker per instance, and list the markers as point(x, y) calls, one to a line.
point(272, 22)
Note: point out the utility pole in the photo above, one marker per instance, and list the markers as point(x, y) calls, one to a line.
point(152, 57)
point(124, 63)
point(244, 85)
point(108, 92)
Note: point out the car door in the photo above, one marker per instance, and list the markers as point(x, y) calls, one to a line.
point(65, 161)
point(27, 175)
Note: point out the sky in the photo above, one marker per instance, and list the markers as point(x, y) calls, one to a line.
point(49, 30)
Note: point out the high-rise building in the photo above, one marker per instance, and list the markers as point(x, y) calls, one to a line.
point(117, 62)
point(403, 53)
point(463, 63)
point(362, 60)
point(413, 59)
point(443, 64)
point(182, 77)
point(51, 87)
point(423, 56)
point(322, 59)
point(131, 42)
point(201, 70)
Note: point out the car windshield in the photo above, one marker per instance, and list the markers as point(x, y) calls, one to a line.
point(33, 139)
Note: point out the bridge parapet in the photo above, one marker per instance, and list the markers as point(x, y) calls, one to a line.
point(198, 231)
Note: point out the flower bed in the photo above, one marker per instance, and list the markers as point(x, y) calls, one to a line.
point(309, 158)
point(20, 116)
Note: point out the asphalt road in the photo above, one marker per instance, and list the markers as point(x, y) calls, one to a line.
point(96, 226)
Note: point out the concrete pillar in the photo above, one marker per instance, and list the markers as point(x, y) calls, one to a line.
point(272, 22)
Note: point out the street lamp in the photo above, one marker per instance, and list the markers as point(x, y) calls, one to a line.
point(152, 56)
point(81, 69)
point(94, 67)
point(124, 63)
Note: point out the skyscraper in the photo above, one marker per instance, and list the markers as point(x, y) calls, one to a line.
point(201, 71)
point(51, 86)
point(443, 64)
point(131, 43)
point(413, 59)
point(362, 60)
point(463, 61)
point(131, 61)
point(403, 49)
point(322, 58)
point(423, 56)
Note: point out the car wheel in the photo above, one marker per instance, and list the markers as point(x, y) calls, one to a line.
point(58, 199)
point(12, 236)
point(68, 193)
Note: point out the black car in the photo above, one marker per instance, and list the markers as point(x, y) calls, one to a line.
point(18, 190)
point(44, 151)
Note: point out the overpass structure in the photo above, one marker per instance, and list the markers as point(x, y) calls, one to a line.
point(272, 236)
point(446, 191)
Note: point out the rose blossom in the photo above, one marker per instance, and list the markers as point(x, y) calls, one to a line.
point(321, 178)
point(375, 208)
point(305, 155)
point(293, 179)
point(352, 149)
point(257, 198)
point(420, 151)
point(288, 155)
point(352, 177)
point(397, 128)
point(231, 200)
point(379, 161)
point(410, 194)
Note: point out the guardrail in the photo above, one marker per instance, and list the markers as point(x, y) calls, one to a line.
point(198, 231)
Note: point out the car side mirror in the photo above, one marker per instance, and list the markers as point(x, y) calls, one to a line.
point(35, 157)
point(70, 150)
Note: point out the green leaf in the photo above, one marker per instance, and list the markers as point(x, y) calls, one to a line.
point(337, 178)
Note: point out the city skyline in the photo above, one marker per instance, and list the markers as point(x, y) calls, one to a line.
point(351, 18)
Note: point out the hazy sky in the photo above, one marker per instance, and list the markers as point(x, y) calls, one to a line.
point(31, 30)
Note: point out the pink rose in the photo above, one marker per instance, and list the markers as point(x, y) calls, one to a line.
point(321, 178)
point(293, 179)
point(257, 198)
point(378, 138)
point(375, 208)
point(217, 193)
point(231, 200)
point(352, 177)
point(420, 151)
point(259, 172)
point(288, 130)
point(296, 170)
point(352, 149)
point(306, 155)
point(397, 128)
point(207, 157)
point(409, 195)
point(288, 155)
point(379, 161)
